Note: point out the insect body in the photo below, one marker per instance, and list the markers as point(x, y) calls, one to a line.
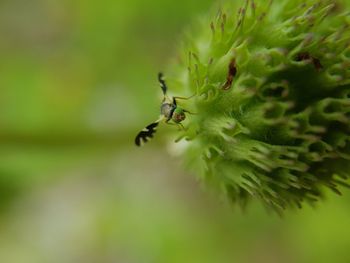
point(169, 111)
point(172, 112)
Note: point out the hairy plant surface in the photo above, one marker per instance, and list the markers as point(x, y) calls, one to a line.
point(272, 80)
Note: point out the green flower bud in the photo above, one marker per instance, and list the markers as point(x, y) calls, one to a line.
point(272, 107)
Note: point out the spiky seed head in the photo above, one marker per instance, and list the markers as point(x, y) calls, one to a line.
point(273, 85)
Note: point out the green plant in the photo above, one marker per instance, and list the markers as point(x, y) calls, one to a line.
point(272, 80)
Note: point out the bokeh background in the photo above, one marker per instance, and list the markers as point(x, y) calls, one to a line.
point(77, 82)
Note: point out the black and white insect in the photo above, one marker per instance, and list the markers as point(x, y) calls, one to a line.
point(169, 111)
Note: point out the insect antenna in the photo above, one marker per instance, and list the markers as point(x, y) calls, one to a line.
point(146, 134)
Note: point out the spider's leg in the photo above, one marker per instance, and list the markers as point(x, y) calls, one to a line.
point(184, 98)
point(162, 83)
point(147, 133)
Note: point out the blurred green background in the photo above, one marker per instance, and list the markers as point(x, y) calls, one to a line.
point(77, 81)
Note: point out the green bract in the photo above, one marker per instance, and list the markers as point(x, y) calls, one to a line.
point(272, 80)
